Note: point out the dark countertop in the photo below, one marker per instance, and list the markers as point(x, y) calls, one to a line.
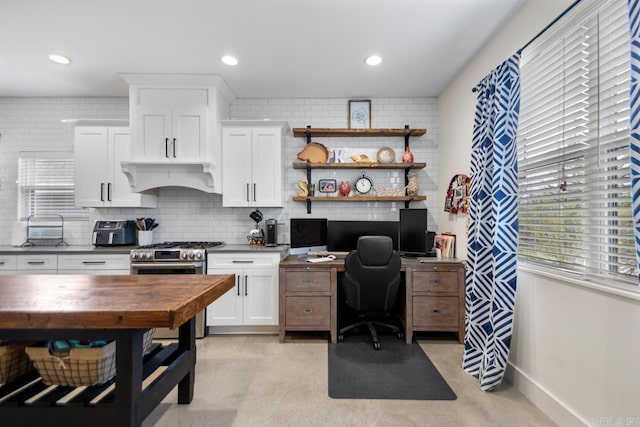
point(90, 249)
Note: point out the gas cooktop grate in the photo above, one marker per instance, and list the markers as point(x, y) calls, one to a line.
point(182, 245)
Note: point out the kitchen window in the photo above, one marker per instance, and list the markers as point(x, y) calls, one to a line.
point(573, 146)
point(46, 186)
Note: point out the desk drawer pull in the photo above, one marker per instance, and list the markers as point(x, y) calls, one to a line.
point(435, 310)
point(435, 281)
point(308, 281)
point(235, 261)
point(435, 268)
point(308, 310)
point(35, 262)
point(94, 262)
point(1, 262)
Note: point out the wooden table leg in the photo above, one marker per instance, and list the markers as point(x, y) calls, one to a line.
point(128, 376)
point(187, 341)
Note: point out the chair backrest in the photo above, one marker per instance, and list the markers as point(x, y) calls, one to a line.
point(372, 275)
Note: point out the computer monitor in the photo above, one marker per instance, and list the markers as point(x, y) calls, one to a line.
point(413, 232)
point(307, 235)
point(343, 236)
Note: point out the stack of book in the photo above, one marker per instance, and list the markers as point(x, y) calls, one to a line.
point(446, 242)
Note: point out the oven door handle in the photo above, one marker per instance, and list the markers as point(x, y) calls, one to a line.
point(154, 265)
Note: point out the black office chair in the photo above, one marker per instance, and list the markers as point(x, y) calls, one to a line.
point(371, 282)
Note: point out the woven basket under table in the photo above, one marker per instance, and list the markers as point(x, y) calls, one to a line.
point(13, 361)
point(83, 366)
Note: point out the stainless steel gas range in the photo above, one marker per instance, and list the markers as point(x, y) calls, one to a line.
point(173, 258)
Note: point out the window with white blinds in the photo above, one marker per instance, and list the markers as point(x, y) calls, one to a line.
point(46, 187)
point(573, 145)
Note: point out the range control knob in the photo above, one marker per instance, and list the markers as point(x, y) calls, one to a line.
point(148, 255)
point(191, 255)
point(184, 255)
point(199, 255)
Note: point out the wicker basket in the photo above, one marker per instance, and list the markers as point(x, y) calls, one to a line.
point(13, 361)
point(82, 366)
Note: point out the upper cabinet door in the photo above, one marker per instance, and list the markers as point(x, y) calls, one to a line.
point(91, 159)
point(189, 139)
point(266, 161)
point(154, 132)
point(236, 167)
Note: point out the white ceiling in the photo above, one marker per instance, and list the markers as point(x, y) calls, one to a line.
point(286, 48)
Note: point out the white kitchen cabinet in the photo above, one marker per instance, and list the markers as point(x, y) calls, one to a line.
point(37, 264)
point(8, 264)
point(254, 299)
point(175, 128)
point(252, 173)
point(93, 264)
point(171, 125)
point(99, 181)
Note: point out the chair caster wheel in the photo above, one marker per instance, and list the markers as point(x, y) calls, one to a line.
point(340, 338)
point(376, 346)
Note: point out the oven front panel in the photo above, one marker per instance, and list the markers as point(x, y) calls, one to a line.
point(167, 268)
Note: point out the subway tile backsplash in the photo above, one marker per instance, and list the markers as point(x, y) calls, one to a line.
point(34, 124)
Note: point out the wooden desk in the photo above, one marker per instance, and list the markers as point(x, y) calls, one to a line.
point(434, 296)
point(106, 307)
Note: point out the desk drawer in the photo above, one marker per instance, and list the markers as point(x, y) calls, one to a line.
point(308, 281)
point(308, 311)
point(441, 282)
point(435, 312)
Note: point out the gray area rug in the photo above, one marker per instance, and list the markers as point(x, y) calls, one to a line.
point(396, 371)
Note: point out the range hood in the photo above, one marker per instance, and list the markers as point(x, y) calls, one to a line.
point(176, 138)
point(147, 175)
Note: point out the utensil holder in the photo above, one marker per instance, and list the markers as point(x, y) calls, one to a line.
point(145, 237)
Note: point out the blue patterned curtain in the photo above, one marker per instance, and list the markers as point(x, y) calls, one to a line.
point(493, 228)
point(634, 120)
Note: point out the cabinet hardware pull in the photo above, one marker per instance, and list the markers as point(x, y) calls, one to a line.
point(174, 148)
point(238, 282)
point(308, 311)
point(246, 285)
point(247, 191)
point(102, 191)
point(242, 261)
point(109, 191)
point(435, 310)
point(308, 268)
point(1, 262)
point(254, 191)
point(308, 281)
point(94, 262)
point(435, 268)
point(166, 147)
point(35, 262)
point(435, 281)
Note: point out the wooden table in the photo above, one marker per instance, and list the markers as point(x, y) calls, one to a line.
point(122, 308)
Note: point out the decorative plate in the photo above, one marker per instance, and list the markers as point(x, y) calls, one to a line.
point(314, 152)
point(386, 155)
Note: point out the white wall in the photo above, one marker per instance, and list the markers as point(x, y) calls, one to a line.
point(575, 350)
point(34, 124)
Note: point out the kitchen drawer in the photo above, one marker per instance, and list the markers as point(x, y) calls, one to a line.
point(93, 262)
point(37, 262)
point(435, 312)
point(8, 264)
point(242, 260)
point(308, 281)
point(308, 311)
point(440, 282)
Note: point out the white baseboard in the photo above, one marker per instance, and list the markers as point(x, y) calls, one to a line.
point(553, 407)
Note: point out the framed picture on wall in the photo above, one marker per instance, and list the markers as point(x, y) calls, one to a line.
point(360, 114)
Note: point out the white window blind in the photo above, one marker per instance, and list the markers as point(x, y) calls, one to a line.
point(573, 145)
point(46, 186)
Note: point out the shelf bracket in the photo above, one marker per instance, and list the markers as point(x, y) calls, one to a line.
point(406, 136)
point(308, 183)
point(308, 132)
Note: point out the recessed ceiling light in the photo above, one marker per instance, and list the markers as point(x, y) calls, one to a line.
point(230, 60)
point(59, 59)
point(373, 60)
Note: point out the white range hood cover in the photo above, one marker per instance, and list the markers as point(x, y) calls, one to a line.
point(147, 175)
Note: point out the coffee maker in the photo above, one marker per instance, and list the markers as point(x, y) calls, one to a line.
point(271, 238)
